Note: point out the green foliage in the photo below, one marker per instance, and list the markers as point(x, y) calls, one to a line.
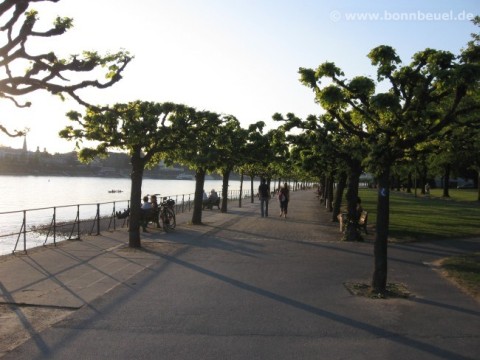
point(139, 126)
point(63, 24)
point(361, 87)
point(431, 218)
point(386, 60)
point(328, 69)
point(332, 98)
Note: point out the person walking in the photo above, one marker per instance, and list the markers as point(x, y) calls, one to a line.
point(264, 196)
point(284, 198)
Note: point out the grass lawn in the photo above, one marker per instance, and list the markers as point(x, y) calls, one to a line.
point(465, 271)
point(428, 218)
point(434, 218)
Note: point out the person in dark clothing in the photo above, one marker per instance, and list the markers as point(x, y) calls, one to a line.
point(284, 198)
point(264, 196)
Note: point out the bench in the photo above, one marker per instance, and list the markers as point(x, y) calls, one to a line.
point(362, 222)
point(209, 204)
point(146, 216)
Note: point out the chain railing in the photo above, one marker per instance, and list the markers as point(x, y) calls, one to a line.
point(26, 229)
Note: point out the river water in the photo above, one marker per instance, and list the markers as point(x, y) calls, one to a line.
point(19, 193)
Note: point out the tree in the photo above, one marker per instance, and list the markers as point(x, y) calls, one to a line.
point(236, 150)
point(393, 121)
point(341, 153)
point(147, 131)
point(199, 150)
point(46, 71)
point(230, 150)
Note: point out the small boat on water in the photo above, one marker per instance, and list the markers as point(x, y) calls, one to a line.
point(184, 176)
point(115, 191)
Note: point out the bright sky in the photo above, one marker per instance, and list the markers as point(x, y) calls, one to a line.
point(234, 57)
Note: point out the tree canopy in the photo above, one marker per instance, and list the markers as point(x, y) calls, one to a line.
point(23, 72)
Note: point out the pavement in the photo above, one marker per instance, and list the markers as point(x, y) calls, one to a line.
point(238, 287)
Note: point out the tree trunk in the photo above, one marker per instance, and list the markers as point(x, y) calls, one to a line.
point(352, 231)
point(446, 184)
point(379, 282)
point(225, 177)
point(329, 204)
point(342, 181)
point(409, 182)
point(252, 195)
point(135, 201)
point(198, 200)
point(241, 191)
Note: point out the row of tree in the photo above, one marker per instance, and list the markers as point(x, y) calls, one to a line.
point(428, 107)
point(204, 141)
point(427, 110)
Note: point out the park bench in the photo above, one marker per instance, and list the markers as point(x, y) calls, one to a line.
point(146, 216)
point(362, 222)
point(209, 204)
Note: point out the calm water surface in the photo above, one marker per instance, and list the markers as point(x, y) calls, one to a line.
point(34, 192)
point(29, 192)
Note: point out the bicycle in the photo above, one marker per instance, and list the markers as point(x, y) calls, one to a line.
point(167, 214)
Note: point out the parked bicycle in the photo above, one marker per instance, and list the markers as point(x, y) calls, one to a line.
point(167, 214)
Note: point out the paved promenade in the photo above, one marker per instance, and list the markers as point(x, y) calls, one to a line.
point(238, 287)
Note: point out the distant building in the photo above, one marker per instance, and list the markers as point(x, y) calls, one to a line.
point(9, 153)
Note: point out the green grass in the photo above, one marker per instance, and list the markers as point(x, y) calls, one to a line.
point(465, 270)
point(422, 218)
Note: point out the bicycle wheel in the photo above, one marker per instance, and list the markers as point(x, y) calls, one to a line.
point(168, 219)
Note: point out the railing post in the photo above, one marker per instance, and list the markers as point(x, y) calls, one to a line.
point(78, 225)
point(55, 226)
point(25, 231)
point(114, 217)
point(98, 219)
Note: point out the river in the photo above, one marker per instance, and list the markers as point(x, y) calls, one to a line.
point(20, 193)
point(29, 192)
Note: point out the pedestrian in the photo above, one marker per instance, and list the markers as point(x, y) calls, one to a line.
point(284, 198)
point(264, 196)
point(145, 213)
point(155, 210)
point(427, 189)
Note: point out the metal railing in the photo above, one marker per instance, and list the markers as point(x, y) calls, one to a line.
point(31, 228)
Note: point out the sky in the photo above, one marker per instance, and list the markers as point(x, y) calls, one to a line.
point(230, 56)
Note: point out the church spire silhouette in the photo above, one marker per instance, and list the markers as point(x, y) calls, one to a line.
point(25, 143)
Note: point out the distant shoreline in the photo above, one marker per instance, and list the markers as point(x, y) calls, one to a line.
point(146, 175)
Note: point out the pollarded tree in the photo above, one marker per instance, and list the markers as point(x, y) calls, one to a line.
point(198, 149)
point(341, 153)
point(23, 72)
point(257, 155)
point(276, 160)
point(395, 120)
point(147, 131)
point(232, 150)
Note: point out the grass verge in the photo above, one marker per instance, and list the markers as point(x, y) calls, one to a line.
point(433, 218)
point(428, 218)
point(464, 270)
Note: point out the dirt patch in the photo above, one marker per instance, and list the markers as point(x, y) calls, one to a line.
point(393, 290)
point(20, 323)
